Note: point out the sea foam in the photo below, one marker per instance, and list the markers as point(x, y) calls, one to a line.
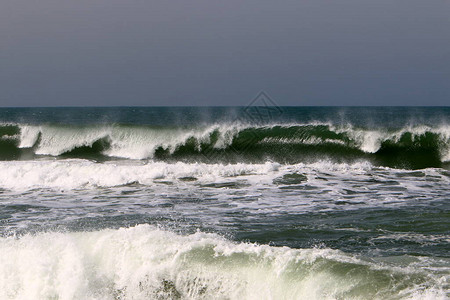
point(144, 262)
point(142, 142)
point(80, 173)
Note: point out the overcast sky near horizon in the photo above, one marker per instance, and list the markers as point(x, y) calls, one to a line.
point(313, 52)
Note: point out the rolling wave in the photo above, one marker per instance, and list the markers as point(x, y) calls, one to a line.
point(143, 262)
point(409, 147)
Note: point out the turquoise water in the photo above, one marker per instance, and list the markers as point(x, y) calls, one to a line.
point(224, 203)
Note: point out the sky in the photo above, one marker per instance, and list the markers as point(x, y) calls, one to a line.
point(210, 52)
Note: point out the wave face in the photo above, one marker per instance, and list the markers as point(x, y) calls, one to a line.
point(143, 262)
point(224, 203)
point(409, 147)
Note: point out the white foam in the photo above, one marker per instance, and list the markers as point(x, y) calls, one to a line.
point(28, 136)
point(143, 262)
point(370, 141)
point(76, 173)
point(141, 142)
point(80, 173)
point(126, 142)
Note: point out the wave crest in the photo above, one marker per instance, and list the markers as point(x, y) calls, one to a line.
point(145, 262)
point(410, 147)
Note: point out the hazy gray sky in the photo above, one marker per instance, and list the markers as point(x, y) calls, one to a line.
point(314, 52)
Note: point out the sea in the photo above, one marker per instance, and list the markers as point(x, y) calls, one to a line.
point(254, 202)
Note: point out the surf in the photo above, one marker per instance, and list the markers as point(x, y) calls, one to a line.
point(411, 147)
point(148, 262)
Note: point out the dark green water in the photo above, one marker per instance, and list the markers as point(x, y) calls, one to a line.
point(225, 203)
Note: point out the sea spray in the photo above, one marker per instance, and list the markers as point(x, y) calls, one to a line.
point(212, 203)
point(409, 147)
point(145, 262)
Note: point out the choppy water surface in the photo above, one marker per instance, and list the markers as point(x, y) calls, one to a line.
point(213, 203)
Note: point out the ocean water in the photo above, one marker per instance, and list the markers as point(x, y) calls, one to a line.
point(258, 202)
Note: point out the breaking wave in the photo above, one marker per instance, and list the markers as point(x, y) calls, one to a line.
point(410, 147)
point(77, 173)
point(144, 262)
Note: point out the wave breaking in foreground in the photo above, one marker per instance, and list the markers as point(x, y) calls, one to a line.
point(145, 262)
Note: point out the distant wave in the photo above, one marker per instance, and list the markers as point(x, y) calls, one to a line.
point(413, 147)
